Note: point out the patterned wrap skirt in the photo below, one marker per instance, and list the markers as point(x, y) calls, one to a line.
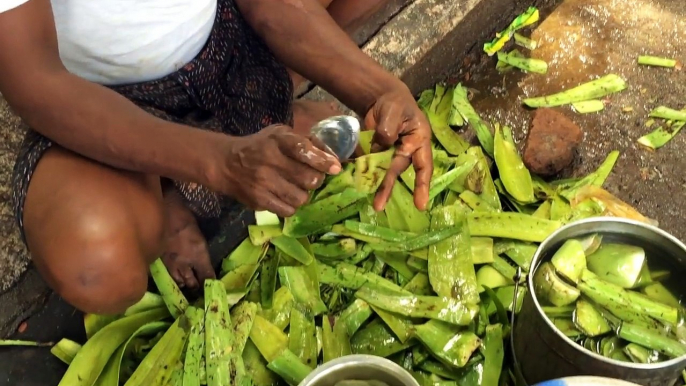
point(234, 86)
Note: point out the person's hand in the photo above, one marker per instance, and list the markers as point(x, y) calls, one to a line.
point(397, 120)
point(274, 169)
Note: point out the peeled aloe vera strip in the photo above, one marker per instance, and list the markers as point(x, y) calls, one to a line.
point(595, 89)
point(269, 339)
point(173, 297)
point(587, 107)
point(648, 60)
point(494, 355)
point(302, 337)
point(350, 276)
point(260, 234)
point(375, 231)
point(280, 313)
point(219, 338)
point(526, 64)
point(433, 307)
point(665, 112)
point(316, 216)
point(449, 344)
point(93, 356)
point(661, 136)
point(511, 225)
point(293, 248)
point(288, 366)
point(451, 271)
point(354, 316)
point(242, 268)
point(400, 325)
point(376, 339)
point(336, 184)
point(304, 290)
point(246, 253)
point(513, 174)
point(65, 350)
point(439, 115)
point(475, 202)
point(462, 106)
point(196, 347)
point(335, 340)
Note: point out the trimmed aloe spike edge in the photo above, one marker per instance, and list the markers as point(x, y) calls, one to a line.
point(65, 350)
point(609, 84)
point(587, 107)
point(661, 136)
point(525, 64)
point(648, 60)
point(667, 113)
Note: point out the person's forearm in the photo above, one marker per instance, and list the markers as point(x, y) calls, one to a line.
point(98, 123)
point(303, 35)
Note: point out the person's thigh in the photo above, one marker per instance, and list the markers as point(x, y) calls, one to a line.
point(93, 230)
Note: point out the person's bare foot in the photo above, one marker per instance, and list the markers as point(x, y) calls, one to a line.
point(307, 113)
point(185, 256)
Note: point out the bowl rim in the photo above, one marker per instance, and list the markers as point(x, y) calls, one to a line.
point(544, 246)
point(363, 359)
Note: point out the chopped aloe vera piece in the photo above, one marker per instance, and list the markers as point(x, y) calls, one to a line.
point(461, 107)
point(482, 250)
point(491, 278)
point(305, 291)
point(648, 60)
point(589, 320)
point(448, 343)
point(559, 312)
point(265, 217)
point(528, 18)
point(619, 264)
point(598, 88)
point(525, 42)
point(652, 340)
point(640, 354)
point(551, 287)
point(570, 260)
point(587, 107)
point(667, 113)
point(377, 339)
point(661, 136)
point(526, 64)
point(567, 327)
point(506, 296)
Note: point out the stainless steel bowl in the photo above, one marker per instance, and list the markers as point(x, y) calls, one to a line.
point(359, 367)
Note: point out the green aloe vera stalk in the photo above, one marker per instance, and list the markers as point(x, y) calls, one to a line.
point(316, 216)
point(526, 64)
point(303, 288)
point(648, 60)
point(620, 264)
point(652, 340)
point(448, 343)
point(462, 108)
point(260, 234)
point(596, 89)
point(589, 320)
point(667, 113)
point(511, 225)
point(494, 355)
point(302, 338)
point(280, 312)
point(173, 298)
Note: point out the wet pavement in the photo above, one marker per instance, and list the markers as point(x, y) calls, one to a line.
point(585, 39)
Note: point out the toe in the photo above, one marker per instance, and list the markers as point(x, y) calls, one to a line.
point(189, 278)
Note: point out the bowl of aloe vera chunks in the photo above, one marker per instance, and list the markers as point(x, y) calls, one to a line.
point(608, 300)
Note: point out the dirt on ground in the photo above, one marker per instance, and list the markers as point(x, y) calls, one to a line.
point(582, 40)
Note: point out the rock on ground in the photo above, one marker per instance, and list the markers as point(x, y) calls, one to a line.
point(13, 255)
point(552, 142)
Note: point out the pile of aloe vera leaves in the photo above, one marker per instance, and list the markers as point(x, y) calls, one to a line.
point(430, 290)
point(605, 296)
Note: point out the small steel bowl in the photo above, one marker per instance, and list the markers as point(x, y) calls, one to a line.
point(359, 367)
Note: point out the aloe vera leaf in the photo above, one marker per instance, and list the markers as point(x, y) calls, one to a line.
point(620, 264)
point(652, 340)
point(256, 367)
point(173, 298)
point(265, 217)
point(335, 340)
point(482, 250)
point(302, 337)
point(597, 178)
point(526, 64)
point(417, 264)
point(476, 203)
point(661, 136)
point(589, 320)
point(527, 18)
point(316, 216)
point(513, 174)
point(242, 319)
point(487, 276)
point(93, 356)
point(596, 89)
point(659, 292)
point(611, 296)
point(570, 260)
point(354, 316)
point(245, 254)
point(440, 183)
point(196, 347)
point(159, 364)
point(448, 343)
point(400, 325)
point(378, 232)
point(350, 276)
point(241, 268)
point(288, 366)
point(480, 180)
point(403, 215)
point(494, 355)
point(110, 375)
point(65, 350)
point(506, 296)
point(461, 106)
point(223, 364)
point(293, 248)
point(567, 327)
point(436, 368)
point(363, 252)
point(261, 234)
point(376, 339)
point(433, 307)
point(451, 271)
point(280, 313)
point(667, 113)
point(522, 254)
point(336, 184)
point(525, 42)
point(305, 291)
point(640, 354)
point(543, 210)
point(419, 285)
point(94, 323)
point(588, 107)
point(425, 98)
point(551, 287)
point(439, 114)
point(268, 338)
point(511, 225)
point(269, 274)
